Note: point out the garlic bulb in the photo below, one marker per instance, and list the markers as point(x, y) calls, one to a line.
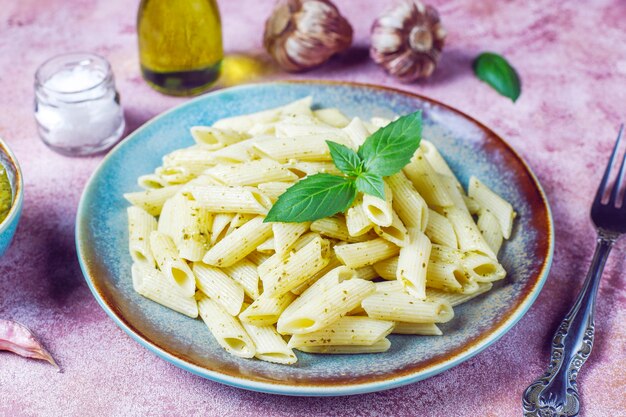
point(407, 40)
point(301, 34)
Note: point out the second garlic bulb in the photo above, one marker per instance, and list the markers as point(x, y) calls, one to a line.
point(407, 40)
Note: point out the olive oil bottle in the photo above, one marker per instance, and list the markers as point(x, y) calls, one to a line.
point(180, 44)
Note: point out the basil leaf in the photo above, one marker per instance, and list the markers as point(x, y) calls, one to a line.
point(345, 159)
point(390, 148)
point(371, 184)
point(498, 73)
point(315, 197)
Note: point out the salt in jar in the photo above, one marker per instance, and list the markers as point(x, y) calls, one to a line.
point(77, 108)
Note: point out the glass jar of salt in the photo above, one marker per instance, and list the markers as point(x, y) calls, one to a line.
point(77, 108)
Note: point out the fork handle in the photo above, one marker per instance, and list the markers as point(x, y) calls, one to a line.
point(555, 393)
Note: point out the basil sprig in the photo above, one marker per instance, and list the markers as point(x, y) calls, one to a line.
point(382, 154)
point(498, 73)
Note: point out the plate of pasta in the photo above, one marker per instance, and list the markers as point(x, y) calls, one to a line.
point(312, 238)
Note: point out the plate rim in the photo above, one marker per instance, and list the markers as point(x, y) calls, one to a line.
point(331, 389)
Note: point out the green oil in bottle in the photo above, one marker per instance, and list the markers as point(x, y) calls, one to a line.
point(180, 44)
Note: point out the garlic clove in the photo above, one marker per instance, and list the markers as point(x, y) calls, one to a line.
point(301, 34)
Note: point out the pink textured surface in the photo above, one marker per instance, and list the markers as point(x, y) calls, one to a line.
point(572, 60)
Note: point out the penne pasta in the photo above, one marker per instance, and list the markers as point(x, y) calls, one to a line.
point(226, 329)
point(154, 285)
point(200, 245)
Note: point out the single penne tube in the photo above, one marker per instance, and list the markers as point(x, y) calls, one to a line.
point(298, 267)
point(251, 173)
point(481, 268)
point(412, 263)
point(273, 190)
point(266, 310)
point(427, 182)
point(357, 255)
point(169, 221)
point(140, 225)
point(357, 132)
point(488, 200)
point(166, 257)
point(225, 199)
point(321, 305)
point(490, 229)
point(309, 127)
point(379, 211)
point(195, 158)
point(387, 268)
point(446, 254)
point(332, 117)
point(395, 233)
point(422, 329)
point(245, 122)
point(304, 240)
point(286, 235)
point(304, 148)
point(154, 285)
point(215, 138)
point(239, 243)
point(382, 345)
point(390, 286)
point(303, 169)
point(220, 227)
point(335, 227)
point(226, 329)
point(218, 286)
point(407, 202)
point(189, 226)
point(357, 221)
point(269, 345)
point(245, 274)
point(456, 298)
point(444, 275)
point(152, 200)
point(469, 237)
point(175, 175)
point(440, 230)
point(348, 330)
point(435, 159)
point(151, 181)
point(237, 152)
point(401, 306)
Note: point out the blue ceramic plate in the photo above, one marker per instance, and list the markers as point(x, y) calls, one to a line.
point(469, 147)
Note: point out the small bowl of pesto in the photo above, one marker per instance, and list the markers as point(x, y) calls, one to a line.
point(11, 196)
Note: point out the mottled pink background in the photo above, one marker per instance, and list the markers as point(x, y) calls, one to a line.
point(572, 60)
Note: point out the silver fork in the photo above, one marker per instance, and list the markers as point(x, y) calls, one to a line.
point(555, 393)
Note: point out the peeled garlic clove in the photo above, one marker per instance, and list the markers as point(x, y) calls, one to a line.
point(407, 40)
point(302, 34)
point(16, 338)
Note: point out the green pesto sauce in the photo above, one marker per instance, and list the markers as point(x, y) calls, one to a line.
point(5, 194)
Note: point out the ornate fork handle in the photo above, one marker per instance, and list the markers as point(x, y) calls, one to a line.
point(555, 393)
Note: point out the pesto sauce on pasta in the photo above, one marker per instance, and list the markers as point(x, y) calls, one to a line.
point(5, 194)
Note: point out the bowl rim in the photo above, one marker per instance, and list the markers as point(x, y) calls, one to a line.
point(18, 193)
point(331, 389)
